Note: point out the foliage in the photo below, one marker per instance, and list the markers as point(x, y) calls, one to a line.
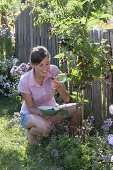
point(8, 83)
point(6, 80)
point(9, 11)
point(71, 21)
point(7, 41)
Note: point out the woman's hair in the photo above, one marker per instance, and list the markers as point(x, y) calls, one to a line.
point(38, 53)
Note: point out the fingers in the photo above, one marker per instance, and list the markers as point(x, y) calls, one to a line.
point(55, 84)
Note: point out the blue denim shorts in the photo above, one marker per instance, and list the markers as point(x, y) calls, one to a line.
point(24, 120)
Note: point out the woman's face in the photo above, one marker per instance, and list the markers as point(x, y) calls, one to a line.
point(42, 68)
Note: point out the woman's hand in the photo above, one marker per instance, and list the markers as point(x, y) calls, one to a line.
point(56, 84)
point(60, 87)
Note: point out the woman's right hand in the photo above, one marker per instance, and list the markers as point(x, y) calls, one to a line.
point(56, 84)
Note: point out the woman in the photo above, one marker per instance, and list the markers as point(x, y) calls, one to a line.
point(38, 87)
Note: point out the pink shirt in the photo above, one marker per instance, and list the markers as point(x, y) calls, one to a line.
point(42, 95)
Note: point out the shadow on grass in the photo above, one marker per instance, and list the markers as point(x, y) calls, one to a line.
point(35, 153)
point(8, 106)
point(12, 160)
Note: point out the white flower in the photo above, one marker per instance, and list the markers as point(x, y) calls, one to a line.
point(110, 139)
point(111, 109)
point(112, 158)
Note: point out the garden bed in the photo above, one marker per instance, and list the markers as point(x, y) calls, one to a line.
point(89, 150)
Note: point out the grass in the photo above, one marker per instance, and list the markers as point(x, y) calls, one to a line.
point(15, 152)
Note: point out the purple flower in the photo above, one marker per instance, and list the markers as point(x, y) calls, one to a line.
point(103, 157)
point(20, 70)
point(107, 124)
point(54, 153)
point(110, 139)
point(105, 128)
point(23, 67)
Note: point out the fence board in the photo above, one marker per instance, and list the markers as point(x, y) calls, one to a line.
point(97, 99)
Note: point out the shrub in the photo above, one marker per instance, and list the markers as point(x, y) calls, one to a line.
point(7, 82)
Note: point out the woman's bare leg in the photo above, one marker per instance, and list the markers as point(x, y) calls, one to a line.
point(37, 126)
point(75, 117)
point(58, 118)
point(42, 124)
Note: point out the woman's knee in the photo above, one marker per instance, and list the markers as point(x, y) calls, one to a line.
point(46, 128)
point(42, 125)
point(58, 118)
point(69, 107)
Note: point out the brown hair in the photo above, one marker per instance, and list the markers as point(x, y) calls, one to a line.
point(38, 53)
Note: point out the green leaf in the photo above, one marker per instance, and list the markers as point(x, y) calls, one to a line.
point(62, 77)
point(60, 55)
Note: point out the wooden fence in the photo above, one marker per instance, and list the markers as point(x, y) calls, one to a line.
point(27, 35)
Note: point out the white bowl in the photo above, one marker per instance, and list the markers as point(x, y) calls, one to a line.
point(48, 110)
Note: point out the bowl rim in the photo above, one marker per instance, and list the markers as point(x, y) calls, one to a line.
point(51, 108)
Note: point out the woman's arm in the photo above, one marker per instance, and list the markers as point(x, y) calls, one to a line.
point(60, 87)
point(30, 104)
point(63, 93)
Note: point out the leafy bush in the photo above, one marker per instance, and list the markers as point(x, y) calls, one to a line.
point(7, 82)
point(9, 78)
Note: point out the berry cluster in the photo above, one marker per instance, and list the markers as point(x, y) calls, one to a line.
point(64, 42)
point(4, 19)
point(63, 60)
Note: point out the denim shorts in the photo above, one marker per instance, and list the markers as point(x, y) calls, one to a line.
point(24, 120)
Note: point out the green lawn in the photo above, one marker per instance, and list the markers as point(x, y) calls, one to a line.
point(15, 152)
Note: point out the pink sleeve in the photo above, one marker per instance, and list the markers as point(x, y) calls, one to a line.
point(23, 87)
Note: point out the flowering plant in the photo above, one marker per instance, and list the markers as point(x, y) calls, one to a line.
point(16, 72)
point(108, 125)
point(19, 70)
point(6, 80)
point(9, 78)
point(90, 149)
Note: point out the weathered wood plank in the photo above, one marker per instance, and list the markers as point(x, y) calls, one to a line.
point(97, 99)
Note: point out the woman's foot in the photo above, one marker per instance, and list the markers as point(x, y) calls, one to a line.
point(34, 131)
point(32, 139)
